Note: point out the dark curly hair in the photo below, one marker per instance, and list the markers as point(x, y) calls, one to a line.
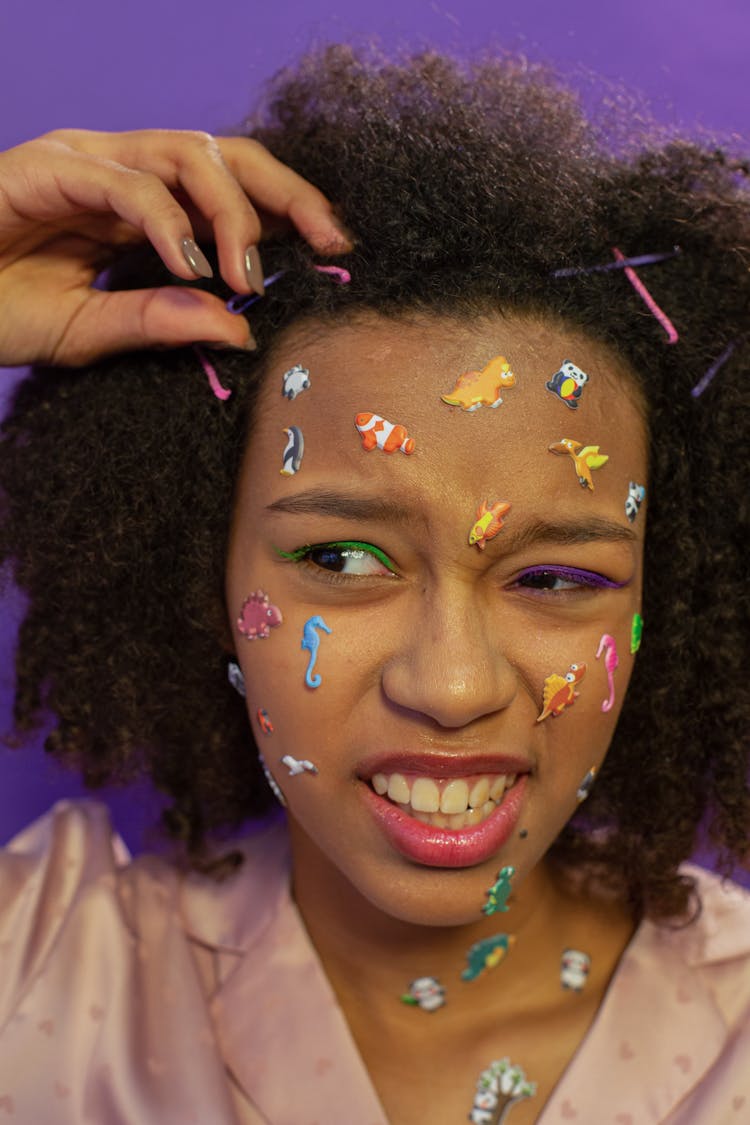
point(467, 186)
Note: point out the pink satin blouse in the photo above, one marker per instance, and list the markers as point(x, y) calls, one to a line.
point(133, 995)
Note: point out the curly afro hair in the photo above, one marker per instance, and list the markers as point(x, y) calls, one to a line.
point(467, 186)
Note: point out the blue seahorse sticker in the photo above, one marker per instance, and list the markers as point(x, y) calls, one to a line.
point(310, 641)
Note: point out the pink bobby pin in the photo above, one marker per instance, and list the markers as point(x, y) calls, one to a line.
point(213, 378)
point(648, 300)
point(342, 276)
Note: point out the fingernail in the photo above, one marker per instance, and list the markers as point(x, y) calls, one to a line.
point(195, 258)
point(254, 270)
point(250, 345)
point(344, 231)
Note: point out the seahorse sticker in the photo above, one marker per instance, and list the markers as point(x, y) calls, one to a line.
point(609, 648)
point(311, 641)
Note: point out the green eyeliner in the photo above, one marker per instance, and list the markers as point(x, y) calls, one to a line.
point(351, 545)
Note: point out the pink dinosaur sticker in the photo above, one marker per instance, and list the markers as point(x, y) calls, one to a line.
point(258, 617)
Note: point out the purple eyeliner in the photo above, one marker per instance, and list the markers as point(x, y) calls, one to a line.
point(572, 574)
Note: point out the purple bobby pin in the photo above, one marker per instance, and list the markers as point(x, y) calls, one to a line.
point(240, 301)
point(619, 264)
point(717, 364)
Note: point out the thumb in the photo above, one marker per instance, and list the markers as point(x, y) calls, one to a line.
point(142, 318)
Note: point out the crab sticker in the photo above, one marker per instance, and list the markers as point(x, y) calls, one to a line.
point(481, 388)
point(560, 691)
point(568, 384)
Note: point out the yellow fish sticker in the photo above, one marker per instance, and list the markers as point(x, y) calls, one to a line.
point(489, 521)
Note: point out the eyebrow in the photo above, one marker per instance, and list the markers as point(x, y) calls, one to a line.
point(325, 502)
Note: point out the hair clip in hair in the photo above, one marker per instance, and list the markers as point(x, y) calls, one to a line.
point(240, 302)
point(648, 300)
point(213, 379)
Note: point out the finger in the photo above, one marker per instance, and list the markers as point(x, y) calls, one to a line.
point(282, 192)
point(60, 182)
point(142, 318)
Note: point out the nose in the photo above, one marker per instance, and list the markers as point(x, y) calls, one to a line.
point(451, 665)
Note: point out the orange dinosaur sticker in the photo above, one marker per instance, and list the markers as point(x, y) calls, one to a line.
point(560, 691)
point(482, 388)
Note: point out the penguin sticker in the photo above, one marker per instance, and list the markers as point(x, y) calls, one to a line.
point(293, 450)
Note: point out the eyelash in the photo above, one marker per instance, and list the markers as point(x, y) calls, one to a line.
point(583, 579)
point(303, 555)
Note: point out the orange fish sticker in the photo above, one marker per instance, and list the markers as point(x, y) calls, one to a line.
point(560, 691)
point(488, 522)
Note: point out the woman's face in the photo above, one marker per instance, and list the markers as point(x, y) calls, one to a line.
point(432, 651)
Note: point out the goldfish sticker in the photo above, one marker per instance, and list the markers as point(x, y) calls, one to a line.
point(568, 384)
point(481, 388)
point(585, 458)
point(560, 691)
point(488, 522)
point(378, 433)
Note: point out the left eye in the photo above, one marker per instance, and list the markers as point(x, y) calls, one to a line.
point(562, 578)
point(347, 560)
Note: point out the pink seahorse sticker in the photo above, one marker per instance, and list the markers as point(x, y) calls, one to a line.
point(609, 648)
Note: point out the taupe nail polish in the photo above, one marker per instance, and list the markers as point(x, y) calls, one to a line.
point(254, 270)
point(195, 258)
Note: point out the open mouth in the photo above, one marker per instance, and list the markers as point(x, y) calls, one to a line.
point(452, 803)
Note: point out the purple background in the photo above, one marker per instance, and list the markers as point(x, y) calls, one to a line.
point(100, 65)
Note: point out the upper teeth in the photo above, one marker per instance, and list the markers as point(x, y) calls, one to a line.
point(447, 795)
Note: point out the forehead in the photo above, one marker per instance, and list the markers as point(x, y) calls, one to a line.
point(401, 369)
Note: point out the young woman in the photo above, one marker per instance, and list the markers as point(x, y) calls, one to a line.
point(395, 553)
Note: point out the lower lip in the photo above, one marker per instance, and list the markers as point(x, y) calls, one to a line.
point(439, 847)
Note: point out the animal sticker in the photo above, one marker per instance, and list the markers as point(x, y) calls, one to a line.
point(272, 783)
point(636, 632)
point(293, 451)
point(310, 642)
point(258, 617)
point(501, 1086)
point(486, 954)
point(574, 969)
point(560, 691)
point(488, 523)
point(568, 384)
point(378, 433)
point(482, 388)
point(264, 722)
point(586, 785)
point(608, 646)
point(636, 496)
point(295, 381)
point(298, 765)
point(585, 458)
point(426, 993)
point(497, 895)
point(236, 679)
